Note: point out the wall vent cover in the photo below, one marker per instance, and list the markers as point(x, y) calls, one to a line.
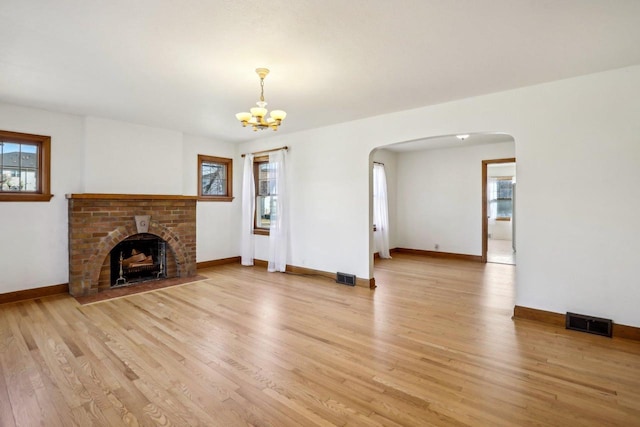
point(346, 279)
point(590, 324)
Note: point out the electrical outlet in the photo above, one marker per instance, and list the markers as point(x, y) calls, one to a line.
point(437, 246)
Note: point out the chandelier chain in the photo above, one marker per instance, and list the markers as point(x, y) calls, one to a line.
point(262, 89)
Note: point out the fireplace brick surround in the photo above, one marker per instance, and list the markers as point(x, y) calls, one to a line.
point(98, 222)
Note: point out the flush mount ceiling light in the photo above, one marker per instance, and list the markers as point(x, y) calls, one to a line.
point(257, 117)
point(462, 137)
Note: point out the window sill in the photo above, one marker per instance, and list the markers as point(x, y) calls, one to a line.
point(260, 231)
point(503, 219)
point(24, 197)
point(215, 199)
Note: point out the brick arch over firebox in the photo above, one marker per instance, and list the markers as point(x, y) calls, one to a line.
point(91, 272)
point(98, 222)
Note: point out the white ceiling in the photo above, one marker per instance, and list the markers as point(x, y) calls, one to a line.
point(189, 65)
point(450, 141)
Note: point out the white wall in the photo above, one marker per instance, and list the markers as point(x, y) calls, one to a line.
point(499, 230)
point(96, 155)
point(323, 172)
point(578, 136)
point(499, 169)
point(127, 158)
point(34, 246)
point(218, 223)
point(134, 159)
point(440, 197)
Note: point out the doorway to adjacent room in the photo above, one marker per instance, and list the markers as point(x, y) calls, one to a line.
point(498, 211)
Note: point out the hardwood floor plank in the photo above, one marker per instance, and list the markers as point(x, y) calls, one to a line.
point(6, 413)
point(433, 345)
point(17, 368)
point(6, 410)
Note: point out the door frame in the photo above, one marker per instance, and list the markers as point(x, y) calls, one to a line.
point(485, 220)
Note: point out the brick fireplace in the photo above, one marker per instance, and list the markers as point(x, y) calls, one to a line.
point(99, 222)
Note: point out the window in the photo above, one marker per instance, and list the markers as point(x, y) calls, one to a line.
point(214, 178)
point(501, 197)
point(265, 180)
point(24, 167)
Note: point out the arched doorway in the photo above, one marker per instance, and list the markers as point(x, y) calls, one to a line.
point(434, 192)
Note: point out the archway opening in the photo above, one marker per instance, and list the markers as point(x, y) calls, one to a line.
point(435, 193)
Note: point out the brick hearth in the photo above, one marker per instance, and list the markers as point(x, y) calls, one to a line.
point(98, 222)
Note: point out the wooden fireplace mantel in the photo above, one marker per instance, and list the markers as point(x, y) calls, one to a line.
point(105, 196)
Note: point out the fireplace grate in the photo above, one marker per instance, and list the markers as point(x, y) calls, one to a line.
point(139, 258)
point(144, 268)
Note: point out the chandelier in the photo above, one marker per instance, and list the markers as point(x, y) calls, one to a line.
point(257, 117)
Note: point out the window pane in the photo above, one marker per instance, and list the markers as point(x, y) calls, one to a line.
point(505, 208)
point(265, 211)
point(266, 179)
point(505, 189)
point(18, 167)
point(266, 196)
point(214, 179)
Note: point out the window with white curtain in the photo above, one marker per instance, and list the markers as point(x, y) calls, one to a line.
point(265, 208)
point(380, 211)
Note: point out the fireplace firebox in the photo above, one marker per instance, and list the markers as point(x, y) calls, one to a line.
point(139, 258)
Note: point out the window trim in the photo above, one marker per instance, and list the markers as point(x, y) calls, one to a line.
point(256, 170)
point(43, 191)
point(222, 160)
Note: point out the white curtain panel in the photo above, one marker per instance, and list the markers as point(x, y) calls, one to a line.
point(279, 228)
point(380, 211)
point(248, 209)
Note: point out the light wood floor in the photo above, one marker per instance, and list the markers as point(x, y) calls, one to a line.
point(433, 345)
point(500, 251)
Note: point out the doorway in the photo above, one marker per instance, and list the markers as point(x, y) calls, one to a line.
point(498, 211)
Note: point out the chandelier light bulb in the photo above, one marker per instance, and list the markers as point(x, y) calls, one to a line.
point(278, 114)
point(258, 112)
point(244, 118)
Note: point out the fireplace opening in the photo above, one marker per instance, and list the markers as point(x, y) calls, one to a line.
point(138, 258)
